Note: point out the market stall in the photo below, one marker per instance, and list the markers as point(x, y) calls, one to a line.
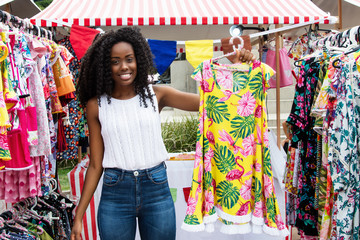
point(181, 18)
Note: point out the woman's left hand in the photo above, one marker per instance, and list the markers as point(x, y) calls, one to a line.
point(244, 55)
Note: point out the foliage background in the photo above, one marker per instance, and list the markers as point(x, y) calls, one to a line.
point(42, 3)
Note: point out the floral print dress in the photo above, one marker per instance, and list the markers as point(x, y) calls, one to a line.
point(343, 155)
point(232, 178)
point(304, 137)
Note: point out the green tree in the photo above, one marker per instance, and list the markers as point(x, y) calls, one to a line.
point(42, 4)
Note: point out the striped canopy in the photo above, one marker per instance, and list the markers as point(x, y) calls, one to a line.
point(178, 12)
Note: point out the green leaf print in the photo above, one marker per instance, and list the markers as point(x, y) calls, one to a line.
point(258, 189)
point(212, 211)
point(228, 194)
point(191, 219)
point(242, 126)
point(208, 180)
point(224, 159)
point(256, 86)
point(4, 154)
point(270, 208)
point(267, 162)
point(240, 81)
point(216, 111)
point(198, 135)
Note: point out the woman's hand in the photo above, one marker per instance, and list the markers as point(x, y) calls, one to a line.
point(76, 230)
point(244, 55)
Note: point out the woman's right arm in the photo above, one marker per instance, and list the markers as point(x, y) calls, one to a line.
point(94, 170)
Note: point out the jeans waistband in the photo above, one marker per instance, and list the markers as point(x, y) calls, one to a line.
point(137, 172)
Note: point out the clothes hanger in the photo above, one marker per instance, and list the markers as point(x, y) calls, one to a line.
point(231, 42)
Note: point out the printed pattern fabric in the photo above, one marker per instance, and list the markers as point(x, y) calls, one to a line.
point(232, 178)
point(344, 151)
point(76, 116)
point(306, 138)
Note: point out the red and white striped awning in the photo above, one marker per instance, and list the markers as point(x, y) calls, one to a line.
point(355, 2)
point(177, 12)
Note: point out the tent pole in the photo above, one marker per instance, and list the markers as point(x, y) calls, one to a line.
point(339, 25)
point(277, 55)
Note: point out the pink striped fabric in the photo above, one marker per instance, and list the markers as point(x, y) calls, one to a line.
point(177, 12)
point(76, 178)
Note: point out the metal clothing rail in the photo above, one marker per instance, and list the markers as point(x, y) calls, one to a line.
point(15, 21)
point(340, 38)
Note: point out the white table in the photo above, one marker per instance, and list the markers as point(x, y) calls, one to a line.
point(180, 176)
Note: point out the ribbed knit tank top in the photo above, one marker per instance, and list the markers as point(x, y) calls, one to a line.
point(131, 133)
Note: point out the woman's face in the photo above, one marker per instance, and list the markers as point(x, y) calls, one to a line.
point(123, 64)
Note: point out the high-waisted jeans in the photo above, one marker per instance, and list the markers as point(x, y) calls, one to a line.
point(142, 194)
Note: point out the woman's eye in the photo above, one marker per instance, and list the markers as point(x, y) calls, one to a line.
point(113, 62)
point(130, 60)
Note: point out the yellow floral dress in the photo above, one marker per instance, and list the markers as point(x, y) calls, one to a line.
point(232, 178)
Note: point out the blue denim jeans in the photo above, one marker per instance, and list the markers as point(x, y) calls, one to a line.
point(142, 194)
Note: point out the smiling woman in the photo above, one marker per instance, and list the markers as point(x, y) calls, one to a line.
point(122, 109)
point(123, 70)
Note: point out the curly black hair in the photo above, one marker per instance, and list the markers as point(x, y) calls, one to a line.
point(95, 73)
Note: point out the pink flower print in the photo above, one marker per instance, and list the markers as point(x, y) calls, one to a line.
point(268, 188)
point(257, 167)
point(227, 94)
point(2, 103)
point(266, 138)
point(210, 137)
point(213, 183)
point(207, 160)
point(200, 174)
point(258, 210)
point(225, 137)
point(209, 201)
point(34, 142)
point(258, 134)
point(198, 154)
point(198, 190)
point(234, 174)
point(248, 145)
point(245, 190)
point(258, 111)
point(300, 81)
point(256, 64)
point(207, 71)
point(246, 105)
point(191, 206)
point(206, 87)
point(4, 142)
point(198, 77)
point(244, 209)
point(202, 118)
point(300, 98)
point(279, 222)
point(249, 173)
point(225, 79)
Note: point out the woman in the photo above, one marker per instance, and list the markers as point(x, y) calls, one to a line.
point(125, 138)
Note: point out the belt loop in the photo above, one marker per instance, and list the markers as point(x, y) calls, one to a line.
point(164, 165)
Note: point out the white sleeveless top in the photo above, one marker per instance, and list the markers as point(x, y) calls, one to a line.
point(131, 133)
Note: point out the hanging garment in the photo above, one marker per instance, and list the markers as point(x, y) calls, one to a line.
point(344, 151)
point(305, 138)
point(232, 177)
point(286, 78)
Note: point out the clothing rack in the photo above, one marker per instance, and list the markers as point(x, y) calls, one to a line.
point(15, 21)
point(340, 38)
